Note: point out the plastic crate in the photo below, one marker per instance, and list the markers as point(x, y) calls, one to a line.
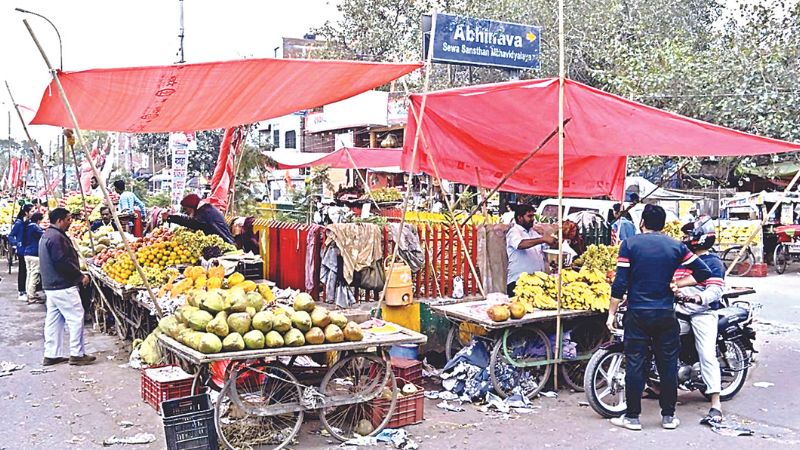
point(251, 271)
point(410, 409)
point(189, 423)
point(409, 370)
point(155, 391)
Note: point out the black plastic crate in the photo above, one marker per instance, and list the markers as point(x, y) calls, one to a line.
point(251, 271)
point(189, 423)
point(185, 405)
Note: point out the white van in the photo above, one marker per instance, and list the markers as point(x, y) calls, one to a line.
point(603, 208)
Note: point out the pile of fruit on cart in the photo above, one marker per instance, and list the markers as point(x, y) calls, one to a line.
point(158, 251)
point(234, 314)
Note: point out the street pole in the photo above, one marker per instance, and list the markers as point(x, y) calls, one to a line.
point(64, 167)
point(182, 34)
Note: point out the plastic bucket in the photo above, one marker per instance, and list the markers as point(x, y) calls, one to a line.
point(408, 351)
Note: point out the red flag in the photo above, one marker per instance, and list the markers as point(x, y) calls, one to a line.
point(22, 173)
point(224, 174)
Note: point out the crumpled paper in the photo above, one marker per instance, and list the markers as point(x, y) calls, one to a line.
point(140, 438)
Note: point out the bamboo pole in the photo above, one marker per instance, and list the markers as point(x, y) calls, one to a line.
point(764, 220)
point(68, 134)
point(425, 86)
point(96, 172)
point(561, 77)
point(516, 168)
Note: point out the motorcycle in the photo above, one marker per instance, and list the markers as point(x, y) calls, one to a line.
point(604, 378)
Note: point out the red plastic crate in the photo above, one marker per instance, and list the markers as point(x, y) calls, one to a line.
point(154, 391)
point(409, 370)
point(409, 410)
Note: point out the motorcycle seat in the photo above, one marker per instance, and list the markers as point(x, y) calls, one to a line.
point(730, 315)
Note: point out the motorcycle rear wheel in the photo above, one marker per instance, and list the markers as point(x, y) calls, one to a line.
point(734, 371)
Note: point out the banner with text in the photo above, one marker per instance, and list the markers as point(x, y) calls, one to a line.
point(180, 144)
point(482, 42)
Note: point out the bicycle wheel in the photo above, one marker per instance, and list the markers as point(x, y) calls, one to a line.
point(246, 413)
point(780, 258)
point(523, 345)
point(358, 387)
point(588, 337)
point(745, 263)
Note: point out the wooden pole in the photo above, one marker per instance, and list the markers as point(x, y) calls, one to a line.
point(516, 168)
point(96, 172)
point(561, 77)
point(425, 85)
point(763, 221)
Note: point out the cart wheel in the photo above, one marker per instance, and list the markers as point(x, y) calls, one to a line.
point(258, 387)
point(524, 345)
point(459, 336)
point(588, 337)
point(365, 380)
point(744, 265)
point(780, 259)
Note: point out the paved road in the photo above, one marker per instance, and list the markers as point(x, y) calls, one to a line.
point(77, 408)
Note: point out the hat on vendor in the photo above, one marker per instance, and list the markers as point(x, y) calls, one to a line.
point(191, 201)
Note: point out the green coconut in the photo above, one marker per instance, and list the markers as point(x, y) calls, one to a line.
point(254, 340)
point(262, 321)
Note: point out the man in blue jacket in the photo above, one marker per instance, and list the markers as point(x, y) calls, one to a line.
point(33, 233)
point(61, 276)
point(645, 269)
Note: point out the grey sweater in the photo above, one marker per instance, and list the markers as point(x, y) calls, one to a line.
point(58, 261)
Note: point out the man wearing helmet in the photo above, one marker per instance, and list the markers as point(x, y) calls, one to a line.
point(698, 312)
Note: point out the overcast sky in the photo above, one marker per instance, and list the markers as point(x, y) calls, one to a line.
point(114, 33)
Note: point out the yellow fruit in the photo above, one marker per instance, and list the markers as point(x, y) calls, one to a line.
point(200, 282)
point(235, 279)
point(214, 283)
point(247, 285)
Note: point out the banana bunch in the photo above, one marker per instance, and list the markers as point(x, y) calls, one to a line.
point(673, 229)
point(586, 289)
point(599, 257)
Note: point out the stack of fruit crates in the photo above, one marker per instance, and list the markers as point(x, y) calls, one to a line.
point(409, 409)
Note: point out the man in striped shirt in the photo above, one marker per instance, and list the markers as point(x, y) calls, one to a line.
point(645, 268)
point(699, 311)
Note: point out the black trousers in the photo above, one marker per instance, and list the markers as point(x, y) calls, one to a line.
point(651, 333)
point(22, 275)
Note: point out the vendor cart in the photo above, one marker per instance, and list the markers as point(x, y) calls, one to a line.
point(132, 319)
point(266, 392)
point(522, 353)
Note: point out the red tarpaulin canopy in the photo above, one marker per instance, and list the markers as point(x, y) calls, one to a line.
point(208, 95)
point(364, 158)
point(492, 127)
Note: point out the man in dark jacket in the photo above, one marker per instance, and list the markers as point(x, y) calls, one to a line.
point(61, 276)
point(32, 235)
point(645, 267)
point(201, 215)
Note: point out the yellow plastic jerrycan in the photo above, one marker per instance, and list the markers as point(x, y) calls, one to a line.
point(399, 289)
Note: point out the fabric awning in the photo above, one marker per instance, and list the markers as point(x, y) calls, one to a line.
point(490, 128)
point(207, 95)
point(364, 158)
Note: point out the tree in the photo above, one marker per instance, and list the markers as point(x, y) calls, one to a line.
point(734, 67)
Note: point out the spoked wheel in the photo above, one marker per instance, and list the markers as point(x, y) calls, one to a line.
point(588, 337)
point(259, 408)
point(745, 264)
point(734, 366)
point(507, 368)
point(362, 392)
point(780, 258)
point(604, 383)
point(459, 336)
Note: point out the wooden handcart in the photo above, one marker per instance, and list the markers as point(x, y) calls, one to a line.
point(522, 353)
point(266, 393)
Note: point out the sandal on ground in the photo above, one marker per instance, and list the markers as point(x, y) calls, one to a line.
point(714, 417)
